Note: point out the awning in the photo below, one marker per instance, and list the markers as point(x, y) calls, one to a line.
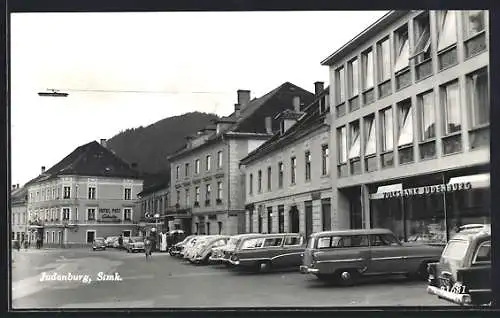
point(476, 181)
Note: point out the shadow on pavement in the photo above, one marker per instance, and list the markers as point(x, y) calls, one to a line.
point(315, 283)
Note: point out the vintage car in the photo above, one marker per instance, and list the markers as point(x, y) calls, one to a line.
point(175, 249)
point(203, 252)
point(191, 249)
point(135, 244)
point(217, 255)
point(463, 274)
point(110, 240)
point(189, 244)
point(345, 256)
point(231, 246)
point(266, 251)
point(99, 244)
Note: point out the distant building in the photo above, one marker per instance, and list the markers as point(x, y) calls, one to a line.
point(207, 186)
point(152, 204)
point(411, 124)
point(19, 213)
point(288, 182)
point(90, 193)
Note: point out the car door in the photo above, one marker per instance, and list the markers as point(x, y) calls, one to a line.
point(291, 252)
point(343, 251)
point(387, 255)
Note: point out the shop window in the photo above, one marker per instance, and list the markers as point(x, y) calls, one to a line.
point(475, 35)
point(402, 60)
point(281, 218)
point(370, 143)
point(384, 67)
point(342, 151)
point(353, 75)
point(307, 158)
point(340, 85)
point(422, 49)
point(452, 139)
point(447, 38)
point(405, 139)
point(269, 219)
point(479, 108)
point(355, 147)
point(368, 77)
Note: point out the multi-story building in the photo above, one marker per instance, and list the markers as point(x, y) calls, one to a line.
point(19, 213)
point(288, 185)
point(410, 99)
point(152, 206)
point(90, 193)
point(207, 186)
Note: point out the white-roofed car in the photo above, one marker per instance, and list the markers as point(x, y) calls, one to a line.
point(190, 250)
point(135, 244)
point(201, 254)
point(110, 240)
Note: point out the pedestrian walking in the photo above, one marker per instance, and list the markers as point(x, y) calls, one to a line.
point(120, 242)
point(148, 246)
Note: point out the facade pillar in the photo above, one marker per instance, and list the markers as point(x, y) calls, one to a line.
point(287, 218)
point(275, 219)
point(302, 216)
point(317, 216)
point(365, 206)
point(247, 221)
point(340, 211)
point(264, 220)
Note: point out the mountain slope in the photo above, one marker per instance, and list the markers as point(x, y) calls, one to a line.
point(149, 146)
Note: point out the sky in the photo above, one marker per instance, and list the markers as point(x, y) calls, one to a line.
point(173, 62)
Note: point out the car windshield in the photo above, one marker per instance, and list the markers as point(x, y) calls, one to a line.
point(455, 250)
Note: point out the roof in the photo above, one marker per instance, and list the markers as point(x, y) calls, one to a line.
point(18, 195)
point(473, 233)
point(251, 122)
point(154, 188)
point(310, 121)
point(353, 232)
point(93, 160)
point(364, 36)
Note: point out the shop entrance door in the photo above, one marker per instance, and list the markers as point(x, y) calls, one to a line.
point(186, 226)
point(294, 220)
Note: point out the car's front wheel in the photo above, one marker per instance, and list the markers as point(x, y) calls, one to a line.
point(347, 277)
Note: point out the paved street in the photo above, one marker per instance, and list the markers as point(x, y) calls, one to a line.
point(169, 282)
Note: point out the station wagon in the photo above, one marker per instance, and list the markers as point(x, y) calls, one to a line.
point(266, 251)
point(345, 256)
point(463, 273)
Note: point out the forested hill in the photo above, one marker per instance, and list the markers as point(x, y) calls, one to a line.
point(149, 146)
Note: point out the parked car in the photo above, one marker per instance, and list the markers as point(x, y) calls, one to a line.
point(463, 273)
point(217, 255)
point(266, 251)
point(231, 246)
point(110, 240)
point(176, 248)
point(345, 256)
point(135, 244)
point(126, 240)
point(188, 245)
point(191, 249)
point(99, 244)
point(202, 253)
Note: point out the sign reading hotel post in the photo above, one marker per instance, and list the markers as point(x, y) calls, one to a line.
point(109, 215)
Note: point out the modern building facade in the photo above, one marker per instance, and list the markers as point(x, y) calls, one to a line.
point(410, 124)
point(90, 193)
point(207, 186)
point(152, 205)
point(19, 213)
point(288, 183)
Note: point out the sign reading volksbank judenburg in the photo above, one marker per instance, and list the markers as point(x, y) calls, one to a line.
point(438, 188)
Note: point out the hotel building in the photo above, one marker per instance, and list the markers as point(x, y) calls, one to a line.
point(410, 124)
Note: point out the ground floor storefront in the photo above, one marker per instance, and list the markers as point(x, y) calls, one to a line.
point(219, 222)
point(82, 234)
point(305, 213)
point(426, 208)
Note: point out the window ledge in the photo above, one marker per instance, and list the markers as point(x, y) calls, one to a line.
point(372, 155)
point(367, 90)
point(480, 127)
point(405, 146)
point(384, 82)
point(474, 35)
point(325, 175)
point(386, 152)
point(447, 49)
point(427, 141)
point(353, 97)
point(402, 71)
point(454, 134)
point(451, 153)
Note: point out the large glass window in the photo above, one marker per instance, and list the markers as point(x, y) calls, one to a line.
point(367, 59)
point(478, 97)
point(353, 69)
point(402, 49)
point(386, 123)
point(473, 22)
point(384, 60)
point(451, 105)
point(447, 30)
point(427, 116)
point(370, 136)
point(342, 144)
point(421, 27)
point(355, 145)
point(340, 85)
point(405, 123)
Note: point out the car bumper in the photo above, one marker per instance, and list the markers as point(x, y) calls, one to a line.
point(461, 299)
point(307, 270)
point(136, 248)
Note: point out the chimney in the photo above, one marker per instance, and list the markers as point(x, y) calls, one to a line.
point(243, 97)
point(103, 143)
point(296, 103)
point(237, 110)
point(43, 169)
point(269, 125)
point(318, 88)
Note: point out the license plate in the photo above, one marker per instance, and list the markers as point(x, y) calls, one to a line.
point(457, 288)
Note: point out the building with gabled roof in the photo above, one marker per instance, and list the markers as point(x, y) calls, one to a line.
point(89, 193)
point(19, 213)
point(288, 187)
point(206, 191)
